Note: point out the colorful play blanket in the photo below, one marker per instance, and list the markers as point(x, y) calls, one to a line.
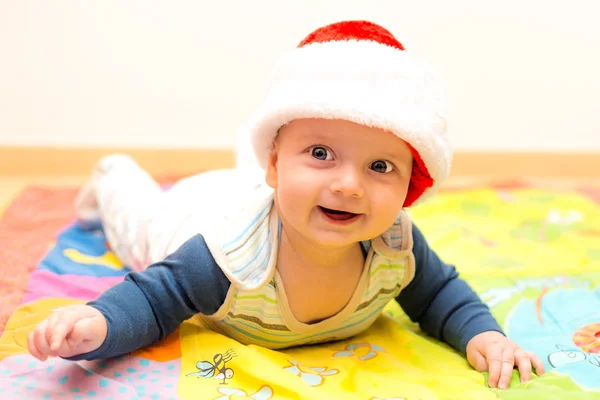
point(532, 255)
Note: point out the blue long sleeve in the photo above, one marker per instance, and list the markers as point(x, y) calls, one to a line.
point(444, 305)
point(147, 306)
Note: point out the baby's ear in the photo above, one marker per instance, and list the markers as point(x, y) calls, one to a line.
point(271, 177)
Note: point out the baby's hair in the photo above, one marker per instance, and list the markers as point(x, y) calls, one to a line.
point(277, 135)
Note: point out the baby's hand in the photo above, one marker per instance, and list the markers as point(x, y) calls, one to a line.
point(69, 331)
point(493, 352)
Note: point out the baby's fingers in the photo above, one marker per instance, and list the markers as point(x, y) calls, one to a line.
point(33, 347)
point(508, 364)
point(83, 338)
point(523, 364)
point(39, 340)
point(61, 328)
point(537, 363)
point(494, 360)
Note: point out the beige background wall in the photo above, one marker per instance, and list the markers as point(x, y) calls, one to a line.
point(523, 75)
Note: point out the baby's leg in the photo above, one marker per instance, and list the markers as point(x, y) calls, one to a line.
point(124, 198)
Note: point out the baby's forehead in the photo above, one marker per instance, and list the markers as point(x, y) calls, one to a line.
point(337, 130)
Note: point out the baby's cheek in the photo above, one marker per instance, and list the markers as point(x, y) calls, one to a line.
point(290, 202)
point(385, 212)
point(297, 191)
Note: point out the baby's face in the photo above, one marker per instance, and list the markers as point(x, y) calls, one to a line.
point(336, 182)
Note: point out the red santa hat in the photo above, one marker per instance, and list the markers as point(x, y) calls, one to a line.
point(358, 71)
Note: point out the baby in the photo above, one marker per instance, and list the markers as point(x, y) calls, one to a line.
point(352, 132)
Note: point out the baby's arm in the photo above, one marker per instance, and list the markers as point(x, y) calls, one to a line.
point(444, 305)
point(449, 310)
point(147, 306)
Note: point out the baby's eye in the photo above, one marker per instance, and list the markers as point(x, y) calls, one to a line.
point(321, 153)
point(382, 166)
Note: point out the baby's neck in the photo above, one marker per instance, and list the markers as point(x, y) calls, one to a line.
point(318, 281)
point(312, 255)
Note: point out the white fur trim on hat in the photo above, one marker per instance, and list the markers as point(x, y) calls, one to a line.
point(364, 82)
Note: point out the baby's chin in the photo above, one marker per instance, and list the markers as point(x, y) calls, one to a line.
point(334, 240)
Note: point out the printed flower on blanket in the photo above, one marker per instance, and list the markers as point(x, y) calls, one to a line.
point(362, 351)
point(567, 336)
point(314, 376)
point(264, 393)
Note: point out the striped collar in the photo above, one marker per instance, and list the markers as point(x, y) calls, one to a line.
point(245, 244)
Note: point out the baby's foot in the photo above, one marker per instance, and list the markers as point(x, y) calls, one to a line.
point(109, 162)
point(86, 206)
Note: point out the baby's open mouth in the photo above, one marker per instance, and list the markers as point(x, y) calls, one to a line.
point(337, 214)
